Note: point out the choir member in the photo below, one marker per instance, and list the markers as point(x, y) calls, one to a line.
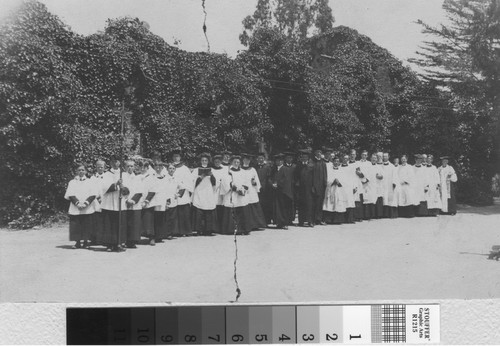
point(364, 165)
point(421, 187)
point(335, 203)
point(132, 202)
point(114, 231)
point(319, 186)
point(358, 195)
point(219, 171)
point(81, 193)
point(448, 178)
point(392, 188)
point(283, 193)
point(234, 187)
point(205, 198)
point(395, 161)
point(350, 186)
point(226, 156)
point(255, 210)
point(184, 178)
point(328, 154)
point(266, 193)
point(304, 177)
point(368, 175)
point(172, 195)
point(434, 204)
point(380, 184)
point(289, 156)
point(159, 202)
point(98, 181)
point(406, 175)
point(148, 175)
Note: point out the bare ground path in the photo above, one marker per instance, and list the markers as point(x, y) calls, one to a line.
point(421, 258)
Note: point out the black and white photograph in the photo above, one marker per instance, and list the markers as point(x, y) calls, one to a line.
point(249, 151)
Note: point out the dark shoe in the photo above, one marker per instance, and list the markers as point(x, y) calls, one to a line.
point(158, 240)
point(85, 245)
point(131, 246)
point(77, 245)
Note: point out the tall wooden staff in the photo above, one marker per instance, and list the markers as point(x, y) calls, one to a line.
point(121, 173)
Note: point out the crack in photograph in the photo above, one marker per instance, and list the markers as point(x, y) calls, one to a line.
point(236, 151)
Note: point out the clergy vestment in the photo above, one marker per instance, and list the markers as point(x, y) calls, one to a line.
point(184, 178)
point(149, 190)
point(351, 188)
point(448, 178)
point(335, 202)
point(421, 188)
point(133, 212)
point(236, 215)
point(256, 214)
point(391, 183)
point(319, 187)
point(283, 196)
point(368, 172)
point(98, 222)
point(358, 195)
point(81, 190)
point(220, 173)
point(406, 201)
point(266, 192)
point(159, 202)
point(110, 205)
point(433, 196)
point(205, 200)
point(304, 176)
point(171, 218)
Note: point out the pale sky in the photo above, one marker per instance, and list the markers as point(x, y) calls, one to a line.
point(389, 23)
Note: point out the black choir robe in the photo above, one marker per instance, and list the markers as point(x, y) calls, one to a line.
point(318, 188)
point(304, 183)
point(266, 191)
point(283, 196)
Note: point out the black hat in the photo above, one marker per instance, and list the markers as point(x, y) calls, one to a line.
point(327, 149)
point(261, 153)
point(444, 157)
point(246, 155)
point(279, 156)
point(317, 150)
point(289, 153)
point(305, 151)
point(217, 157)
point(226, 152)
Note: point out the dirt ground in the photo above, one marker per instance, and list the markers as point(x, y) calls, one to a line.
point(421, 258)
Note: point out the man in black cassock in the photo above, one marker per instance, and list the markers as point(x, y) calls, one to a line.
point(266, 193)
point(318, 187)
point(282, 182)
point(304, 183)
point(289, 156)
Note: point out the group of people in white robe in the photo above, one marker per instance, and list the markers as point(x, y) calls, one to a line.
point(376, 188)
point(117, 207)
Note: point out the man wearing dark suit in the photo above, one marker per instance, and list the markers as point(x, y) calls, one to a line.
point(266, 193)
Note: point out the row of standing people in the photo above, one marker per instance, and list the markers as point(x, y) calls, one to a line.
point(229, 195)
